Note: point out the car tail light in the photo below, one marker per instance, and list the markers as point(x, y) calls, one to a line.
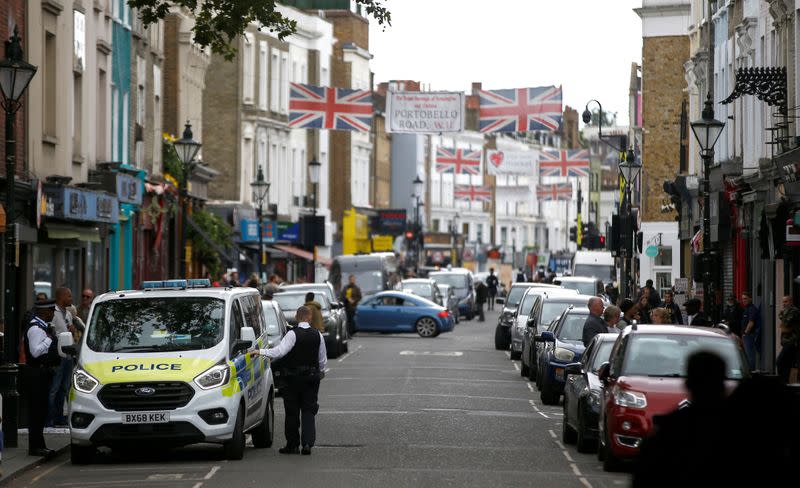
point(443, 314)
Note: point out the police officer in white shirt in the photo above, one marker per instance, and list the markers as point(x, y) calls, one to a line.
point(40, 344)
point(303, 365)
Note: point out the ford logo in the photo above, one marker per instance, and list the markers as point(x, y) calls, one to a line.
point(145, 391)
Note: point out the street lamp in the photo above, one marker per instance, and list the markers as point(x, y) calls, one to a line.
point(15, 75)
point(707, 131)
point(313, 175)
point(514, 247)
point(186, 148)
point(454, 238)
point(260, 191)
point(629, 169)
point(419, 187)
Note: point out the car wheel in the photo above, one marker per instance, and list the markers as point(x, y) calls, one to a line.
point(547, 395)
point(610, 461)
point(584, 444)
point(426, 327)
point(516, 355)
point(81, 454)
point(264, 433)
point(568, 434)
point(234, 448)
point(524, 370)
point(501, 339)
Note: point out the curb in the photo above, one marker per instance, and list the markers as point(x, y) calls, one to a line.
point(5, 479)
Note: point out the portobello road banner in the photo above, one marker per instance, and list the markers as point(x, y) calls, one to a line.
point(425, 112)
point(511, 162)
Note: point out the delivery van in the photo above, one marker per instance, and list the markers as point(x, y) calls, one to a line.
point(594, 264)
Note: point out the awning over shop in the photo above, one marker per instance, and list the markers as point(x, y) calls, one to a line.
point(301, 253)
point(66, 231)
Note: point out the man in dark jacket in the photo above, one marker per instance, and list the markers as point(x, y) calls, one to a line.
point(481, 294)
point(693, 314)
point(672, 308)
point(491, 284)
point(594, 323)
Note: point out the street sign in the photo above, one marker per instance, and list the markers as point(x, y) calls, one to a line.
point(651, 251)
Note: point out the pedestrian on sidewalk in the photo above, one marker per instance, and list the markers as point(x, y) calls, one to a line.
point(317, 321)
point(751, 329)
point(790, 338)
point(732, 315)
point(628, 309)
point(62, 376)
point(673, 310)
point(611, 316)
point(693, 314)
point(643, 308)
point(481, 295)
point(492, 282)
point(305, 358)
point(87, 297)
point(41, 357)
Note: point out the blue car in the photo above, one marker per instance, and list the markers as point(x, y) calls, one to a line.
point(396, 311)
point(562, 344)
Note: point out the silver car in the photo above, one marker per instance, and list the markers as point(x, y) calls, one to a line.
point(450, 300)
point(424, 287)
point(335, 327)
point(520, 317)
point(338, 313)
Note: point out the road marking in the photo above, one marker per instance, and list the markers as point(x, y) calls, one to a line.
point(561, 445)
point(530, 387)
point(361, 412)
point(575, 469)
point(417, 378)
point(516, 366)
point(508, 353)
point(211, 473)
point(569, 458)
point(542, 414)
point(149, 468)
point(48, 471)
point(585, 482)
point(326, 370)
point(533, 404)
point(351, 395)
point(432, 353)
point(348, 354)
point(197, 485)
point(553, 434)
point(165, 477)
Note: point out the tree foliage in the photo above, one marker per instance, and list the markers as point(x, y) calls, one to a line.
point(218, 230)
point(219, 22)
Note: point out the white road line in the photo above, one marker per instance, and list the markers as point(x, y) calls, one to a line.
point(575, 469)
point(48, 471)
point(569, 458)
point(473, 397)
point(361, 412)
point(170, 467)
point(533, 404)
point(198, 485)
point(542, 414)
point(211, 473)
point(560, 445)
point(530, 387)
point(585, 482)
point(347, 355)
point(508, 354)
point(516, 366)
point(326, 370)
point(553, 434)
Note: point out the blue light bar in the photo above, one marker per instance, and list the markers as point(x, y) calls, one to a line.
point(149, 285)
point(176, 284)
point(200, 283)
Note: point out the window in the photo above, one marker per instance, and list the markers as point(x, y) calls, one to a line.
point(77, 113)
point(435, 224)
point(115, 118)
point(50, 83)
point(503, 235)
point(251, 305)
point(248, 62)
point(141, 67)
point(101, 115)
point(284, 80)
point(262, 75)
point(664, 257)
point(465, 230)
point(156, 114)
point(479, 233)
point(236, 322)
point(274, 92)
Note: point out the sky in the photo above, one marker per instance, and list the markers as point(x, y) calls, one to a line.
point(587, 46)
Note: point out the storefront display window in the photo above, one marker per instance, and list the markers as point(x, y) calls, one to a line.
point(44, 264)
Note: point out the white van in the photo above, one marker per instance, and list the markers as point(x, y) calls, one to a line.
point(595, 264)
point(168, 365)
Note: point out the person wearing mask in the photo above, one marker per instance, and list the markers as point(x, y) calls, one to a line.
point(611, 316)
point(732, 315)
point(628, 309)
point(481, 295)
point(673, 310)
point(491, 283)
point(40, 344)
point(62, 376)
point(317, 321)
point(87, 297)
point(594, 323)
point(693, 314)
point(305, 358)
point(350, 296)
point(751, 329)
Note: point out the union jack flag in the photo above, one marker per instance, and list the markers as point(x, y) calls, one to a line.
point(320, 107)
point(571, 162)
point(473, 193)
point(459, 161)
point(552, 193)
point(521, 109)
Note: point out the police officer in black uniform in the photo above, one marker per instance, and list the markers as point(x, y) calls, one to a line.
point(303, 366)
point(41, 355)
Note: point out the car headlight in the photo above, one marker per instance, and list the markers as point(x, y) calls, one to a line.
point(83, 381)
point(213, 377)
point(563, 354)
point(628, 398)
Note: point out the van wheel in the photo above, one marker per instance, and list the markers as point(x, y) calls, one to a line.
point(234, 448)
point(81, 454)
point(263, 434)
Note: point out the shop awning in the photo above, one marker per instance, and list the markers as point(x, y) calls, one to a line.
point(301, 253)
point(66, 231)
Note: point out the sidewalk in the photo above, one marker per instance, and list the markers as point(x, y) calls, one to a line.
point(16, 459)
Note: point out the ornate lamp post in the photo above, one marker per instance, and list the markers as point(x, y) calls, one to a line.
point(707, 131)
point(260, 191)
point(187, 149)
point(629, 169)
point(15, 75)
point(313, 175)
point(514, 247)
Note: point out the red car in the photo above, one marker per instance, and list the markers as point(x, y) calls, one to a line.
point(645, 377)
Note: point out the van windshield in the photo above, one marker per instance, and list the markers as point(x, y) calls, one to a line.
point(368, 281)
point(157, 324)
point(456, 280)
point(600, 271)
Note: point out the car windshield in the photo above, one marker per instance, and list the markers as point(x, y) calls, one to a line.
point(271, 320)
point(368, 281)
point(156, 324)
point(293, 301)
point(667, 355)
point(527, 304)
point(421, 289)
point(324, 289)
point(551, 309)
point(601, 271)
point(572, 328)
point(582, 287)
point(515, 295)
point(456, 280)
point(602, 355)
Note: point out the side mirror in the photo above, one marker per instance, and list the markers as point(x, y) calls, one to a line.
point(248, 334)
point(66, 345)
point(547, 336)
point(573, 368)
point(240, 346)
point(604, 372)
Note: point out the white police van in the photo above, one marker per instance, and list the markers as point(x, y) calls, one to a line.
point(168, 365)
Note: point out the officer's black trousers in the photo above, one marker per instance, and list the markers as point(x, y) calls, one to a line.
point(36, 381)
point(300, 398)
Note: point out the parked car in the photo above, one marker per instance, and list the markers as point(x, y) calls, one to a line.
point(525, 309)
point(464, 287)
point(502, 333)
point(583, 285)
point(645, 377)
point(424, 287)
point(562, 344)
point(395, 311)
point(335, 327)
point(276, 326)
point(450, 300)
point(553, 305)
point(338, 312)
point(582, 394)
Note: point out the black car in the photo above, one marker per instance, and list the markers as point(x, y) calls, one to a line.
point(583, 392)
point(502, 333)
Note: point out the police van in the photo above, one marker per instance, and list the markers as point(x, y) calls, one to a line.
point(167, 365)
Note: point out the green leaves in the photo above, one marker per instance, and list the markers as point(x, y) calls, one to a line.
point(218, 230)
point(219, 22)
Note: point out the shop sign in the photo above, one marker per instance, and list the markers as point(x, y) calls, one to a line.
point(129, 189)
point(272, 231)
point(390, 222)
point(512, 162)
point(425, 112)
point(68, 203)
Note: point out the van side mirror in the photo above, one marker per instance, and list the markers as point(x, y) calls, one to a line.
point(573, 368)
point(66, 345)
point(604, 373)
point(248, 334)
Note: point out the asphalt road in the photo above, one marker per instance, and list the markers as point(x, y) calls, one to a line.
point(397, 411)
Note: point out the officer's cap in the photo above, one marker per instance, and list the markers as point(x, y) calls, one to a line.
point(45, 304)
